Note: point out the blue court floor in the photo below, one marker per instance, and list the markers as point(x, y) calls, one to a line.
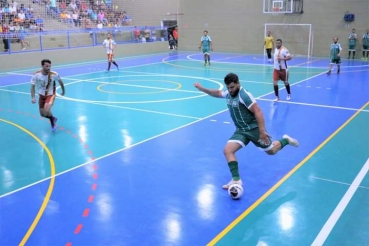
point(137, 158)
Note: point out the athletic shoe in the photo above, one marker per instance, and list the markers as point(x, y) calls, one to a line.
point(226, 186)
point(288, 97)
point(53, 128)
point(276, 99)
point(291, 141)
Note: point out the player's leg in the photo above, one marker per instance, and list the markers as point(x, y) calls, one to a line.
point(338, 62)
point(285, 75)
point(204, 51)
point(275, 84)
point(109, 61)
point(236, 142)
point(113, 61)
point(331, 66)
point(46, 110)
point(353, 51)
point(273, 147)
point(209, 57)
point(269, 53)
point(364, 48)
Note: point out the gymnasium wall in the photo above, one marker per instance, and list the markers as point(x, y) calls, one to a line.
point(238, 25)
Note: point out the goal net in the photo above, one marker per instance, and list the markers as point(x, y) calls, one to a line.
point(297, 38)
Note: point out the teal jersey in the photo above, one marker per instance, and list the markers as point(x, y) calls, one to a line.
point(352, 39)
point(238, 106)
point(366, 39)
point(205, 40)
point(335, 49)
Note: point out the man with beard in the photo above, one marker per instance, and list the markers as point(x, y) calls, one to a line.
point(250, 125)
point(336, 50)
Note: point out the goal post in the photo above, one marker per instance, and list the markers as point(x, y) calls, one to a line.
point(297, 38)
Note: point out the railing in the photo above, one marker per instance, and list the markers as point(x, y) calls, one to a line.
point(52, 40)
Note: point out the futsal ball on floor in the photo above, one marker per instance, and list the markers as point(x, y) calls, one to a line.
point(235, 191)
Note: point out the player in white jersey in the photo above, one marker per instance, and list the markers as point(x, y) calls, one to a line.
point(109, 44)
point(281, 56)
point(45, 80)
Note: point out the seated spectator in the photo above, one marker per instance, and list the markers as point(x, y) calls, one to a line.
point(76, 19)
point(29, 9)
point(40, 23)
point(63, 5)
point(72, 6)
point(22, 15)
point(63, 17)
point(136, 33)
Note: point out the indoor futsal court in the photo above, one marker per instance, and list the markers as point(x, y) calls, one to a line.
point(137, 157)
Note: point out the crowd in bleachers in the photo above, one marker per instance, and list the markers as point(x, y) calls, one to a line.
point(16, 20)
point(87, 14)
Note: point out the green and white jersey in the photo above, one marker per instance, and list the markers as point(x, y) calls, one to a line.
point(366, 39)
point(238, 106)
point(352, 38)
point(205, 40)
point(335, 49)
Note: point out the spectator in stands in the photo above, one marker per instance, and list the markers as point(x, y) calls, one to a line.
point(5, 34)
point(63, 17)
point(76, 20)
point(40, 23)
point(63, 5)
point(22, 15)
point(29, 9)
point(22, 35)
point(73, 5)
point(15, 4)
point(6, 11)
point(147, 34)
point(12, 11)
point(136, 33)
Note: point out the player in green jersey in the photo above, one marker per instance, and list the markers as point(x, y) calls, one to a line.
point(366, 45)
point(352, 44)
point(249, 121)
point(207, 46)
point(335, 55)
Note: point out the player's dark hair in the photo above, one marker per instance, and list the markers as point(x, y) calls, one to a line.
point(205, 31)
point(231, 77)
point(45, 61)
point(279, 40)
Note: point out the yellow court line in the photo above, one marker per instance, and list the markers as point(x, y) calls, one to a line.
point(281, 181)
point(51, 185)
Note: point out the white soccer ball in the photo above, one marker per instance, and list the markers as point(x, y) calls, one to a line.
point(235, 191)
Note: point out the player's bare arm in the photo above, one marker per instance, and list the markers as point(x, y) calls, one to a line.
point(62, 87)
point(210, 92)
point(33, 93)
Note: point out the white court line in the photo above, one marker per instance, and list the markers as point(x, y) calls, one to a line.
point(68, 76)
point(315, 105)
point(115, 106)
point(337, 182)
point(332, 220)
point(90, 62)
point(146, 140)
point(267, 65)
point(112, 153)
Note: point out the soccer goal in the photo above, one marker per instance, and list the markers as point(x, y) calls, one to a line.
point(297, 38)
